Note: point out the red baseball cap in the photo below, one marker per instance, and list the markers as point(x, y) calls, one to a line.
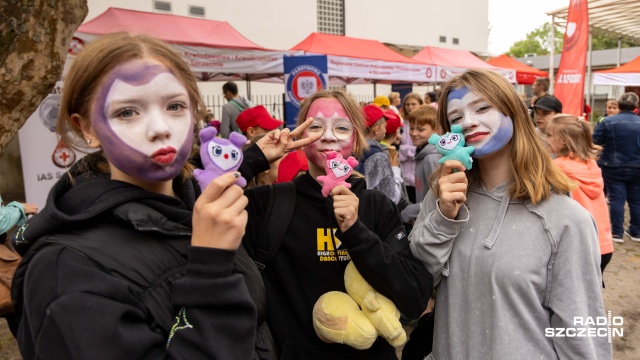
point(393, 122)
point(291, 164)
point(257, 116)
point(373, 114)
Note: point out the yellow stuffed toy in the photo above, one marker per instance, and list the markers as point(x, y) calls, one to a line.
point(338, 318)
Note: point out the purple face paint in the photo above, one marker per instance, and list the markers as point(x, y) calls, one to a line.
point(484, 126)
point(142, 117)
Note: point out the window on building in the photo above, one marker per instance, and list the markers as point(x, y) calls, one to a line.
point(196, 11)
point(331, 17)
point(455, 41)
point(162, 6)
point(443, 39)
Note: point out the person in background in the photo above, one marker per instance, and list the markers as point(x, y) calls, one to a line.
point(14, 214)
point(292, 165)
point(569, 138)
point(407, 149)
point(230, 111)
point(611, 109)
point(423, 122)
point(381, 171)
point(540, 87)
point(544, 109)
point(395, 101)
point(620, 163)
point(392, 135)
point(513, 258)
point(382, 102)
point(256, 121)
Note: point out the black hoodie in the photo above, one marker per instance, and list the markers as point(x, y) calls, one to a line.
point(111, 275)
point(310, 262)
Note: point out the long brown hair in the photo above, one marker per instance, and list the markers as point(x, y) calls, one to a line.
point(98, 59)
point(576, 134)
point(534, 176)
point(415, 96)
point(350, 106)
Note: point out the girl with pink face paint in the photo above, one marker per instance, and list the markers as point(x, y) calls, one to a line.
point(324, 234)
point(130, 258)
point(513, 257)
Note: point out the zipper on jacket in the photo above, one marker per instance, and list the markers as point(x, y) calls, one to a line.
point(164, 232)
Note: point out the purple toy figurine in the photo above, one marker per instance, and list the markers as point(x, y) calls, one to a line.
point(338, 171)
point(219, 156)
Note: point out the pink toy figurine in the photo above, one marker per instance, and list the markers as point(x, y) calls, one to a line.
point(219, 156)
point(338, 171)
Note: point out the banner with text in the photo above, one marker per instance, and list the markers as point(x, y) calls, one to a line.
point(303, 77)
point(569, 87)
point(348, 70)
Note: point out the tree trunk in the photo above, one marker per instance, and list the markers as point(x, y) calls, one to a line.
point(34, 39)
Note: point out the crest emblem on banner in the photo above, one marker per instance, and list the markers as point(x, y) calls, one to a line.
point(304, 81)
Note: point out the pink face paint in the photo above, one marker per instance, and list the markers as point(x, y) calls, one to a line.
point(142, 117)
point(329, 113)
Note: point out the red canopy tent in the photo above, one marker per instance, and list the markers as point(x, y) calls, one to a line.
point(450, 62)
point(214, 49)
point(624, 75)
point(525, 74)
point(352, 60)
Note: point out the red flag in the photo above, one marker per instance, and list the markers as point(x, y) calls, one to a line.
point(569, 87)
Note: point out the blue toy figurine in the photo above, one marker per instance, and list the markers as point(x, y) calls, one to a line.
point(451, 146)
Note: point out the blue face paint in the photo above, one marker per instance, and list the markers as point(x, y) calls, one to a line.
point(458, 93)
point(485, 127)
point(498, 140)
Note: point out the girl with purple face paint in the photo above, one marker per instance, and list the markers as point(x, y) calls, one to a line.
point(324, 234)
point(513, 258)
point(129, 259)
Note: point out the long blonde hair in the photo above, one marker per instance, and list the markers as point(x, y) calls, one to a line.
point(576, 134)
point(531, 168)
point(350, 106)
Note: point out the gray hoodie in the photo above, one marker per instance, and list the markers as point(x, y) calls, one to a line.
point(508, 270)
point(230, 112)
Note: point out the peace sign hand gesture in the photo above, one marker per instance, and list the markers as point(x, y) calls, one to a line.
point(277, 142)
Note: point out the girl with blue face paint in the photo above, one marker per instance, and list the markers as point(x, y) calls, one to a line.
point(512, 257)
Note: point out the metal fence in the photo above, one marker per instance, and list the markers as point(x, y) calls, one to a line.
point(274, 104)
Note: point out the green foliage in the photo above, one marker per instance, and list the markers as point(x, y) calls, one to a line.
point(537, 41)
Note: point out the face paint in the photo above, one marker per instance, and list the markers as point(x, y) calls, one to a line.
point(484, 126)
point(142, 117)
point(330, 113)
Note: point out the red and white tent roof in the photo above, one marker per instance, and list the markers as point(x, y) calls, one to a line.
point(353, 60)
point(624, 75)
point(525, 74)
point(214, 49)
point(450, 62)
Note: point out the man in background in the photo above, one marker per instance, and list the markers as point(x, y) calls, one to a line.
point(230, 111)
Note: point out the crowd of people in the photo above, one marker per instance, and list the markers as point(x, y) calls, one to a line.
point(132, 259)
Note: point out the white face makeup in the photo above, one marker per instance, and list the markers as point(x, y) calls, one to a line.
point(484, 126)
point(142, 117)
point(149, 117)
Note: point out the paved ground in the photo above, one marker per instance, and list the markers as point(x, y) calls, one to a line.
point(621, 297)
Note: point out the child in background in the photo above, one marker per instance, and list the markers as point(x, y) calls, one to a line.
point(569, 137)
point(423, 122)
point(407, 150)
point(612, 109)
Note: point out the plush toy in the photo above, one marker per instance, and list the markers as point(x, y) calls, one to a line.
point(219, 156)
point(338, 171)
point(338, 318)
point(451, 146)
